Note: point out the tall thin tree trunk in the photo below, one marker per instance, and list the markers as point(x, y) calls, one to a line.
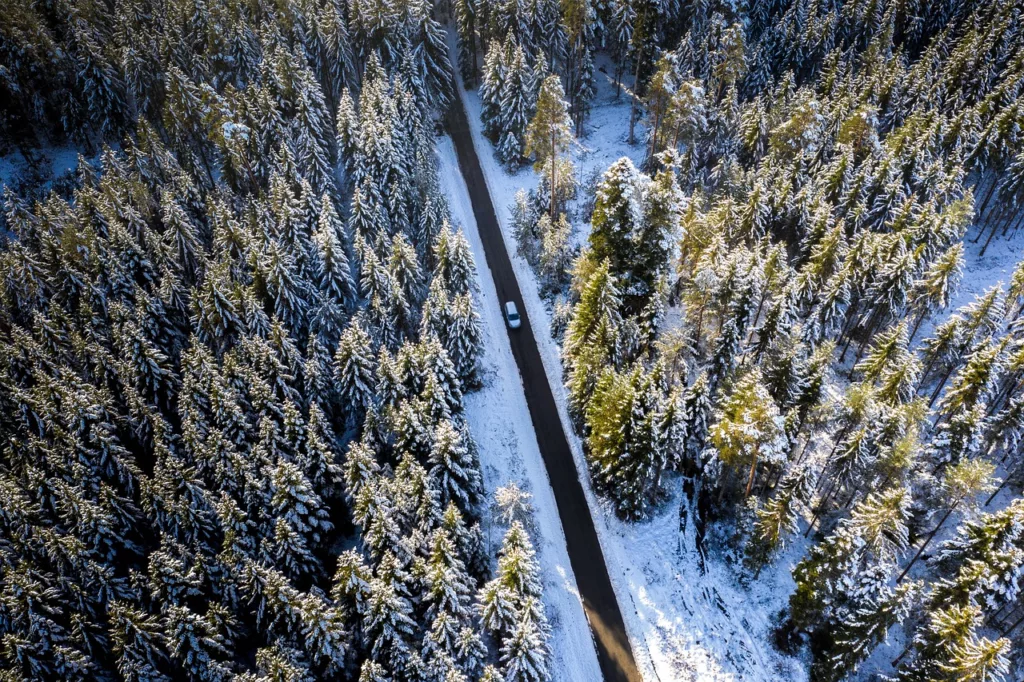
point(848, 328)
point(917, 326)
point(636, 79)
point(906, 650)
point(940, 386)
point(1012, 627)
point(988, 241)
point(927, 541)
point(1006, 479)
point(753, 470)
point(633, 104)
point(820, 508)
point(553, 170)
point(874, 322)
point(988, 196)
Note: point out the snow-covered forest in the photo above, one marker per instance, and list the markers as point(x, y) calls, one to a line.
point(772, 249)
point(759, 308)
point(235, 342)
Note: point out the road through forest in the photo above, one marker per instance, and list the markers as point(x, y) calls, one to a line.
point(613, 649)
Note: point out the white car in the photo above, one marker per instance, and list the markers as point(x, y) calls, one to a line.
point(512, 315)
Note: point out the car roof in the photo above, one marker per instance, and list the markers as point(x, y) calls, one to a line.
point(510, 306)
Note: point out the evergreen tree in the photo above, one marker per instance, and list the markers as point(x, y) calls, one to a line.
point(516, 106)
point(633, 222)
point(625, 442)
point(872, 537)
point(492, 87)
point(354, 370)
point(591, 339)
point(466, 21)
point(454, 467)
point(748, 430)
point(549, 135)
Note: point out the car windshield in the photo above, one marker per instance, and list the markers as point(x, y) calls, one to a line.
point(513, 316)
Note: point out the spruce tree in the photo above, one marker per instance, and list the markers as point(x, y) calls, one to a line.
point(516, 106)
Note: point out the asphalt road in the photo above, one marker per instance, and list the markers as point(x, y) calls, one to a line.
point(613, 650)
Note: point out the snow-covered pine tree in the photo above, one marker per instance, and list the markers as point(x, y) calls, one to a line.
point(874, 535)
point(516, 106)
point(492, 86)
point(747, 432)
point(354, 371)
point(466, 22)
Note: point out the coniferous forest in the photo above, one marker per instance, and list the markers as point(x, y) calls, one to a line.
point(234, 347)
point(237, 338)
point(756, 307)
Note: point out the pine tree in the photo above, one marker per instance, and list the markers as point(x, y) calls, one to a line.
point(549, 135)
point(935, 287)
point(466, 21)
point(523, 654)
point(947, 647)
point(748, 430)
point(454, 467)
point(294, 501)
point(139, 643)
point(195, 644)
point(390, 628)
point(331, 265)
point(491, 88)
point(633, 222)
point(775, 520)
point(591, 339)
point(873, 536)
point(863, 624)
point(556, 253)
point(455, 266)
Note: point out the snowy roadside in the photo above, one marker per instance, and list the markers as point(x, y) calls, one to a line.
point(682, 625)
point(500, 422)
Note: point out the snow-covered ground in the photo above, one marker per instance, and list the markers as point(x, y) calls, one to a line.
point(682, 625)
point(49, 163)
point(500, 422)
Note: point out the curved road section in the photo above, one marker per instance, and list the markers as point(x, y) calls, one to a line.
point(613, 650)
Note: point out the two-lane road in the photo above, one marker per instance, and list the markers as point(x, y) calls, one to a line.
point(613, 649)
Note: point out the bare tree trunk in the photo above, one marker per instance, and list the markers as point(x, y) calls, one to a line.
point(906, 650)
point(633, 104)
point(917, 325)
point(988, 195)
point(848, 329)
point(988, 241)
point(938, 389)
point(927, 541)
point(750, 479)
point(636, 79)
point(553, 169)
point(1012, 627)
point(1006, 479)
point(820, 508)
